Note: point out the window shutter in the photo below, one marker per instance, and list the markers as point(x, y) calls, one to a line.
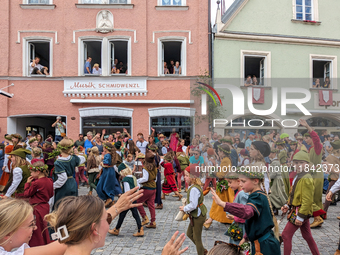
point(294, 9)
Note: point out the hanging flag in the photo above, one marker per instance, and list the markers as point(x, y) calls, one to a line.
point(258, 95)
point(325, 97)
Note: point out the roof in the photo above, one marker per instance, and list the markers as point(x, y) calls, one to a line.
point(231, 10)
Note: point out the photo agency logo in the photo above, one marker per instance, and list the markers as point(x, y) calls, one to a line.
point(301, 96)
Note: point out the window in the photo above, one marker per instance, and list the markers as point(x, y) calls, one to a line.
point(119, 57)
point(105, 1)
point(38, 52)
point(166, 124)
point(93, 50)
point(323, 71)
point(173, 57)
point(111, 124)
point(172, 2)
point(304, 10)
point(257, 66)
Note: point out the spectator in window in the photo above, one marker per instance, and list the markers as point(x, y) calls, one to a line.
point(36, 68)
point(327, 83)
point(96, 70)
point(114, 67)
point(171, 66)
point(87, 66)
point(122, 67)
point(255, 82)
point(316, 83)
point(177, 68)
point(166, 70)
point(248, 82)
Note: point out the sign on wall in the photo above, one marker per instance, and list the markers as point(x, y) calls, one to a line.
point(104, 87)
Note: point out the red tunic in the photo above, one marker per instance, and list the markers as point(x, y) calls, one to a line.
point(39, 193)
point(169, 184)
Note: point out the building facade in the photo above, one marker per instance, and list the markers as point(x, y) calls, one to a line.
point(288, 45)
point(136, 37)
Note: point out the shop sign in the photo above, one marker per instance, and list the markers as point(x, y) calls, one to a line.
point(100, 86)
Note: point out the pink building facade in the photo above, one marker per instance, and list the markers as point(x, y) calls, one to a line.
point(141, 35)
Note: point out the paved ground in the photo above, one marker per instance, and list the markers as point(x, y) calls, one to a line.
point(154, 240)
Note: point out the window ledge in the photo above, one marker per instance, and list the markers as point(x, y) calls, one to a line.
point(171, 75)
point(312, 22)
point(37, 6)
point(171, 8)
point(107, 6)
point(316, 89)
point(256, 87)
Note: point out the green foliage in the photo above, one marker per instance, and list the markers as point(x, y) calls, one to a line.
point(222, 185)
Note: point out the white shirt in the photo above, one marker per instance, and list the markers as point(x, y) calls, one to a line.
point(36, 66)
point(59, 128)
point(17, 178)
point(142, 146)
point(7, 170)
point(19, 251)
point(194, 196)
point(126, 184)
point(145, 178)
point(97, 72)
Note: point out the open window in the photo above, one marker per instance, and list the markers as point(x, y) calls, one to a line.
point(39, 53)
point(93, 50)
point(322, 76)
point(172, 61)
point(119, 57)
point(255, 67)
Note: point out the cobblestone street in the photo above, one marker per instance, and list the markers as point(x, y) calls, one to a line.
point(154, 240)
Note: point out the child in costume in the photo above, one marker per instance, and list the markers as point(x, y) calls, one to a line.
point(169, 184)
point(93, 165)
point(108, 186)
point(278, 195)
point(20, 173)
point(6, 168)
point(195, 208)
point(257, 212)
point(210, 160)
point(148, 181)
point(39, 190)
point(35, 156)
point(48, 148)
point(184, 163)
point(64, 169)
point(300, 204)
point(223, 191)
point(32, 143)
point(158, 199)
point(294, 147)
point(128, 183)
point(129, 161)
point(241, 197)
point(80, 170)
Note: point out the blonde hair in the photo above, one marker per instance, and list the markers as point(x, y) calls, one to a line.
point(77, 214)
point(126, 171)
point(40, 164)
point(195, 140)
point(180, 154)
point(276, 225)
point(66, 142)
point(224, 248)
point(36, 152)
point(19, 161)
point(95, 150)
point(13, 213)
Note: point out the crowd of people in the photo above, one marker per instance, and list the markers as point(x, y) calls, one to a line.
point(252, 180)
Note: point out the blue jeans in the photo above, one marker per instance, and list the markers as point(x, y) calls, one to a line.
point(325, 181)
point(58, 138)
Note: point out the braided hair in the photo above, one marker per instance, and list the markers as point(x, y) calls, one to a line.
point(276, 225)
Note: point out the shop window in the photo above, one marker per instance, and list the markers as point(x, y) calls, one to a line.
point(93, 50)
point(110, 124)
point(172, 2)
point(173, 53)
point(39, 58)
point(165, 125)
point(119, 57)
point(322, 74)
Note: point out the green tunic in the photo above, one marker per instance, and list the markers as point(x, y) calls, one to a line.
point(285, 175)
point(70, 188)
point(202, 207)
point(318, 177)
point(278, 195)
point(260, 226)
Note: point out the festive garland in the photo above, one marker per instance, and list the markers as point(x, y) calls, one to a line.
point(55, 153)
point(222, 185)
point(251, 174)
point(152, 149)
point(220, 148)
point(37, 168)
point(32, 140)
point(226, 140)
point(235, 232)
point(107, 147)
point(65, 148)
